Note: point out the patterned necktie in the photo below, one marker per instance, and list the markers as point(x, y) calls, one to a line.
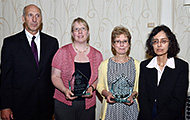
point(34, 49)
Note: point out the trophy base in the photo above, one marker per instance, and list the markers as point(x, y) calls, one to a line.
point(120, 100)
point(80, 94)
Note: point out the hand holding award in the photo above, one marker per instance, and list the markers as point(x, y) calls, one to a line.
point(121, 89)
point(79, 84)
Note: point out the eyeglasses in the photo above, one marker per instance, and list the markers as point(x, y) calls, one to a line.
point(119, 42)
point(163, 41)
point(83, 29)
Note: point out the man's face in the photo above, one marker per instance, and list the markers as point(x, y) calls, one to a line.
point(32, 19)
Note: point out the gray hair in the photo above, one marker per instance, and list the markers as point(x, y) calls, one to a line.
point(30, 5)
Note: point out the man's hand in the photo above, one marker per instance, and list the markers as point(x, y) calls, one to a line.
point(6, 114)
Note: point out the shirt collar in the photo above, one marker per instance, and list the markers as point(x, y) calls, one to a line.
point(153, 63)
point(29, 35)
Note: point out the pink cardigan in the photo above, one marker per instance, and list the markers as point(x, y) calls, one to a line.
point(64, 61)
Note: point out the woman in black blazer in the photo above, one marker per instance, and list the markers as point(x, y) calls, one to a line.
point(163, 81)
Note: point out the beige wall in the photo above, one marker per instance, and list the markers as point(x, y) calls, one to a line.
point(103, 16)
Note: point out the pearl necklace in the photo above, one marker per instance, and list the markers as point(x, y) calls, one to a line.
point(79, 50)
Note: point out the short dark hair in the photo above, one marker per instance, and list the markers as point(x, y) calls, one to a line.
point(173, 49)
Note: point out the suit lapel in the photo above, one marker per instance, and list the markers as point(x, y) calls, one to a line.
point(27, 48)
point(153, 76)
point(43, 49)
point(166, 72)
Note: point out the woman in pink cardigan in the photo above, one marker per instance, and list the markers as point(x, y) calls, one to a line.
point(73, 57)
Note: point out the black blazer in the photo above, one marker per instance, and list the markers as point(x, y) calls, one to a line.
point(26, 89)
point(170, 94)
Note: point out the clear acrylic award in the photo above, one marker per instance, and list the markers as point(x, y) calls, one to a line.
point(79, 84)
point(121, 89)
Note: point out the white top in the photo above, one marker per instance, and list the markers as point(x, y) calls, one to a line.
point(153, 64)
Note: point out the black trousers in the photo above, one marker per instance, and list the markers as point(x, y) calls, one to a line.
point(75, 112)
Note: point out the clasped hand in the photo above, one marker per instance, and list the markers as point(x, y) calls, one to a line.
point(110, 96)
point(69, 95)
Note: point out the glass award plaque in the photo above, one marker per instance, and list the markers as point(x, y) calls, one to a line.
point(121, 89)
point(79, 84)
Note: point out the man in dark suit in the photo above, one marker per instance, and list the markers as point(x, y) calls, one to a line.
point(26, 87)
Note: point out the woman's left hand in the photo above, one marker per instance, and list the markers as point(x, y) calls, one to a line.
point(131, 98)
point(89, 91)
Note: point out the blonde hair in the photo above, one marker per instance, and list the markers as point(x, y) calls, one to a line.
point(117, 31)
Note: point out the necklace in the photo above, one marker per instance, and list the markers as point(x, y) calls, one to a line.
point(122, 60)
point(161, 65)
point(79, 50)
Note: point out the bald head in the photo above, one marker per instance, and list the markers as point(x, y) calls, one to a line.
point(31, 5)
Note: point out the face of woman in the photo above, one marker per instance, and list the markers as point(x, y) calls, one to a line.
point(121, 45)
point(160, 44)
point(80, 32)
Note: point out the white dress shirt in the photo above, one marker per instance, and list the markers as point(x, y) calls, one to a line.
point(36, 40)
point(154, 64)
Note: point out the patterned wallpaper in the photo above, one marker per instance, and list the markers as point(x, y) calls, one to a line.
point(181, 27)
point(102, 16)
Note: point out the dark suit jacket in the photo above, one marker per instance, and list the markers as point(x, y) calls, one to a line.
point(25, 88)
point(170, 95)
